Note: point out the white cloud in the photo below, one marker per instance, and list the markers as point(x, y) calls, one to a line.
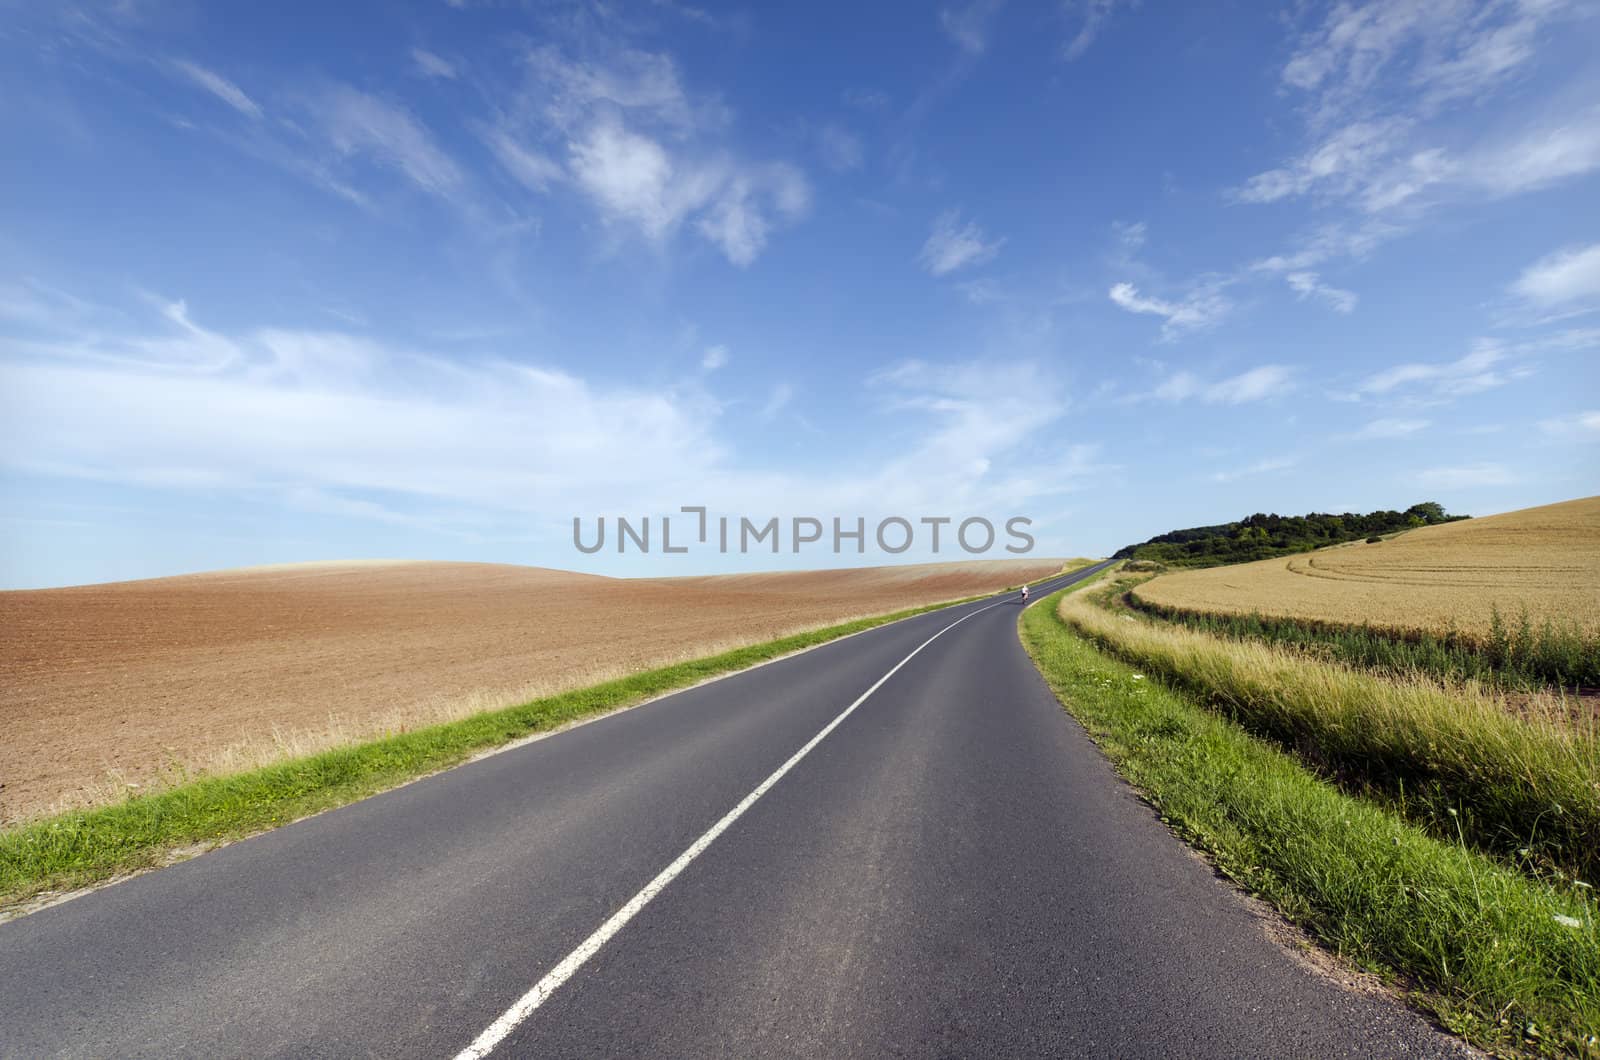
point(1583, 426)
point(1260, 467)
point(1094, 15)
point(1567, 281)
point(841, 149)
point(954, 245)
point(1329, 241)
point(532, 169)
point(360, 124)
point(982, 412)
point(1130, 236)
point(1270, 380)
point(1547, 153)
point(778, 399)
point(292, 411)
point(1490, 363)
point(632, 137)
point(1395, 92)
point(644, 85)
point(1308, 284)
point(1340, 162)
point(1378, 167)
point(1256, 384)
point(368, 431)
point(218, 86)
point(1477, 371)
point(742, 213)
point(1427, 53)
point(631, 176)
point(871, 100)
point(715, 357)
point(968, 25)
point(1387, 428)
point(634, 180)
point(1202, 308)
point(430, 65)
point(1466, 477)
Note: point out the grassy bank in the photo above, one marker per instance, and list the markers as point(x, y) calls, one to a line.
point(1519, 654)
point(1458, 761)
point(82, 847)
point(1500, 958)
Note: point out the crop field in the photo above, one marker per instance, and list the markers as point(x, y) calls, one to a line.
point(118, 688)
point(1404, 823)
point(1540, 562)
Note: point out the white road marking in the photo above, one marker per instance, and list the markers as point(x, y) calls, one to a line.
point(528, 1003)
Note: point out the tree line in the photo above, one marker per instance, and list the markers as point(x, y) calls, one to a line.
point(1263, 536)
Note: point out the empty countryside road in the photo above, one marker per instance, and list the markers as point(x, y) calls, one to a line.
point(953, 870)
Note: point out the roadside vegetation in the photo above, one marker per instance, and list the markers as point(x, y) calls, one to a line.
point(1522, 784)
point(1514, 654)
point(1378, 815)
point(85, 846)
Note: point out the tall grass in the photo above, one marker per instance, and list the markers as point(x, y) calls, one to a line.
point(1517, 654)
point(1505, 960)
point(1454, 760)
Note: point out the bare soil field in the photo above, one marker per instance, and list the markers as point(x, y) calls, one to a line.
point(117, 687)
point(1545, 561)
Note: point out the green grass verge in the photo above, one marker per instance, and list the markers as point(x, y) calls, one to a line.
point(86, 846)
point(1456, 760)
point(1499, 958)
point(1518, 655)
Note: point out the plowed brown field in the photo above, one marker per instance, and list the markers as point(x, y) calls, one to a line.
point(104, 687)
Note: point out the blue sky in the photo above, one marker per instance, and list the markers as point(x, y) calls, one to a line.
point(293, 281)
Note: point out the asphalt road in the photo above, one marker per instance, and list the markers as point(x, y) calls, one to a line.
point(953, 870)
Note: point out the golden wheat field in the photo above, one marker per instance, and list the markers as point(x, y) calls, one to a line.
point(1545, 561)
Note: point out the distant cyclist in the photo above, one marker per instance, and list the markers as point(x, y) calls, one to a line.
point(1024, 594)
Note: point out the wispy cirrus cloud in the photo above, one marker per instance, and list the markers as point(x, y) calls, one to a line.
point(429, 64)
point(955, 245)
point(1255, 384)
point(218, 86)
point(841, 149)
point(1489, 364)
point(1382, 85)
point(1092, 16)
point(623, 131)
point(1387, 429)
point(1425, 55)
point(1268, 466)
point(1581, 426)
point(968, 25)
point(360, 428)
point(1203, 307)
point(1310, 285)
point(1482, 369)
point(981, 431)
point(1466, 476)
point(1563, 283)
point(780, 397)
point(360, 125)
point(1340, 164)
point(1329, 241)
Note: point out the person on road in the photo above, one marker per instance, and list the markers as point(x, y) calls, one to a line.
point(1024, 594)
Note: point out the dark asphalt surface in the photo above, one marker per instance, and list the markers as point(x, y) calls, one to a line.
point(954, 871)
